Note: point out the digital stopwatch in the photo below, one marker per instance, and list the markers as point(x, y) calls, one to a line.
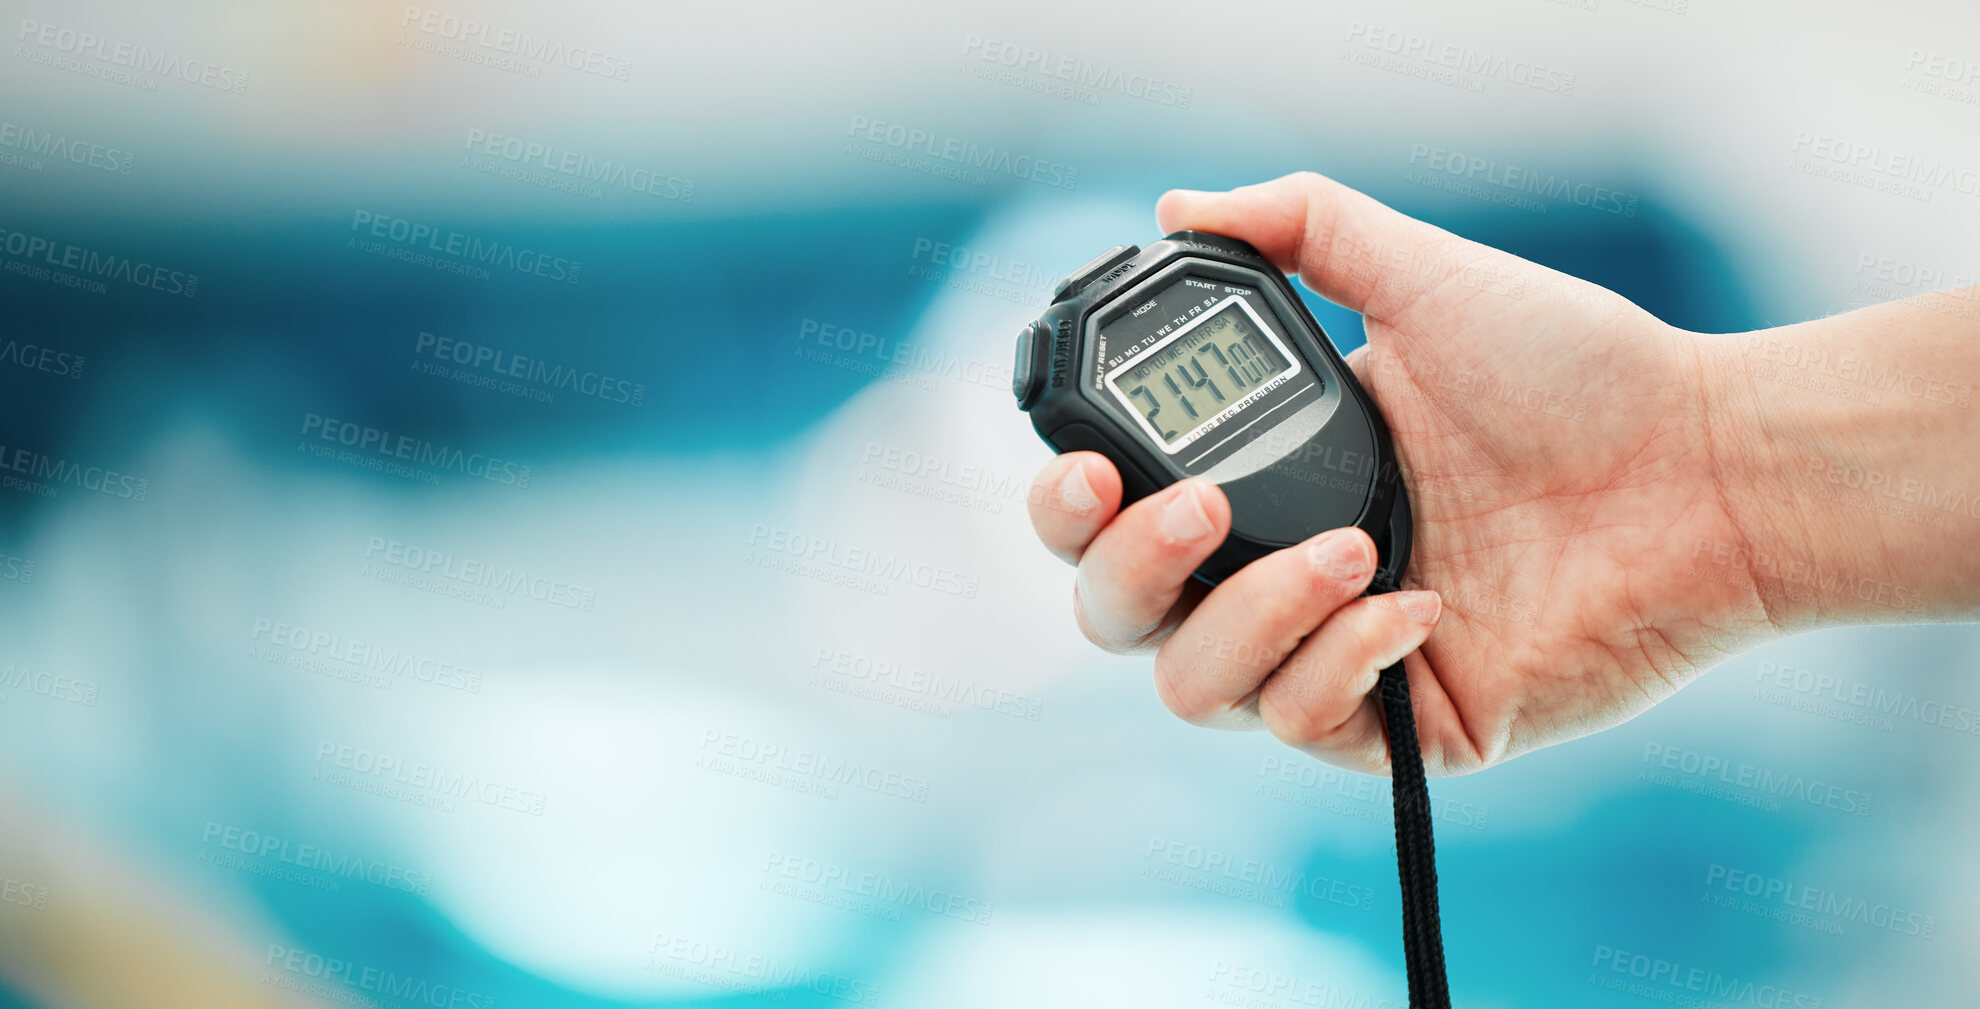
point(1194, 357)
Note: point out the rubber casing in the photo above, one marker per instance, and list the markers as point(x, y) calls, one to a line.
point(1270, 510)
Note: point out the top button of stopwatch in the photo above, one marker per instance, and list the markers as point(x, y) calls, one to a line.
point(1024, 372)
point(1084, 275)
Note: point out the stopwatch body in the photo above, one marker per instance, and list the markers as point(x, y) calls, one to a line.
point(1194, 357)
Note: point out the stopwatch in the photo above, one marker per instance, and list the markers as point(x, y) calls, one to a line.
point(1194, 357)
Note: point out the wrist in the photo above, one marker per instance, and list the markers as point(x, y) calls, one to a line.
point(1836, 449)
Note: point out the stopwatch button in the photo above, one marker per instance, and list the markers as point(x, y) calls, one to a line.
point(1024, 371)
point(1084, 275)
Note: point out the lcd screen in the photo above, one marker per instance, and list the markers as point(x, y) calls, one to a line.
point(1181, 385)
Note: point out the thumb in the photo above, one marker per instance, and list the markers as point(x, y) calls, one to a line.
point(1351, 249)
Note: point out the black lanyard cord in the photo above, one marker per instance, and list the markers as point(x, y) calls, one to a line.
point(1416, 852)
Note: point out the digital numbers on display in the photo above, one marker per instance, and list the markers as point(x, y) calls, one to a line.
point(1180, 387)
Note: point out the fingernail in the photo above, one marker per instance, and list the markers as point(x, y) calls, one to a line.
point(1422, 607)
point(1076, 492)
point(1183, 518)
point(1343, 555)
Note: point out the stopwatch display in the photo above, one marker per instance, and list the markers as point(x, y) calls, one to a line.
point(1202, 374)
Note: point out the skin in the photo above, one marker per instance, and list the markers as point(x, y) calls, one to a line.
point(1605, 505)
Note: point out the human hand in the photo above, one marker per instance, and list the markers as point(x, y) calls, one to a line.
point(1561, 449)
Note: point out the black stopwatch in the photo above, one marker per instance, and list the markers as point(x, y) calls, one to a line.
point(1195, 358)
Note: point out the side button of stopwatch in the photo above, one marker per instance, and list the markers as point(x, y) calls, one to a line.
point(1024, 371)
point(1084, 275)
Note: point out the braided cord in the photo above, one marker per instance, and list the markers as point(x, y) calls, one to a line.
point(1416, 851)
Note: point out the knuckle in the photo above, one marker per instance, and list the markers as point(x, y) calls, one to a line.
point(1180, 689)
point(1383, 628)
point(1297, 720)
point(1372, 618)
point(1169, 684)
point(1371, 760)
point(1142, 567)
point(1287, 594)
point(1305, 678)
point(1145, 554)
point(1269, 598)
point(1333, 592)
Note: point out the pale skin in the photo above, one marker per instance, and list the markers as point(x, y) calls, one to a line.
point(1605, 505)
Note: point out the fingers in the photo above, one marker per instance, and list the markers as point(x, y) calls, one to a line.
point(1284, 641)
point(1353, 250)
point(1209, 671)
point(1322, 698)
point(1071, 500)
point(1133, 573)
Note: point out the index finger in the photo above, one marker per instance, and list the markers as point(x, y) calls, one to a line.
point(1337, 239)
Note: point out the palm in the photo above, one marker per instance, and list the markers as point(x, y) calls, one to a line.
point(1560, 478)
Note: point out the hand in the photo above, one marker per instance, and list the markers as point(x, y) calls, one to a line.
point(1561, 450)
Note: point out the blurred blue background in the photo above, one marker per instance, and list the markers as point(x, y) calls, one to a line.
point(415, 414)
